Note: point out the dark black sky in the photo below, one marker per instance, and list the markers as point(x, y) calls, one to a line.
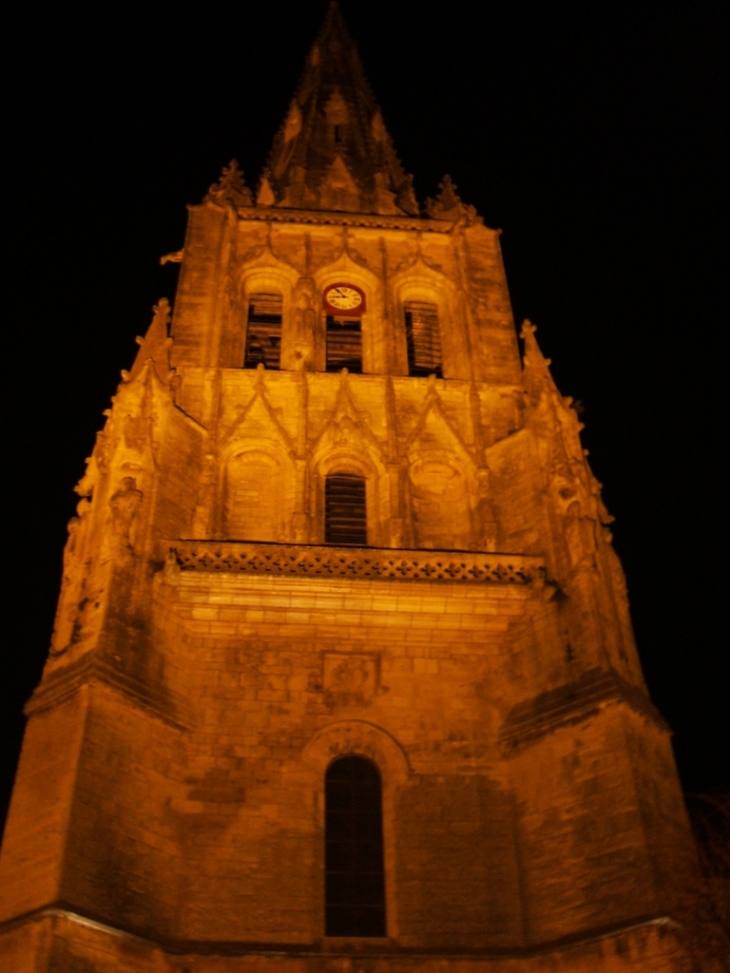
point(590, 133)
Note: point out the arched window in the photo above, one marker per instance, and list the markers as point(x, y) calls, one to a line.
point(423, 338)
point(345, 509)
point(263, 331)
point(354, 873)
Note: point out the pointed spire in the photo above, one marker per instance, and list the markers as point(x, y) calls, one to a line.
point(333, 151)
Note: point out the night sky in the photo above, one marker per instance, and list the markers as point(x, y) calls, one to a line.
point(590, 134)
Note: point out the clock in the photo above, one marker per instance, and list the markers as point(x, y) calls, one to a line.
point(344, 299)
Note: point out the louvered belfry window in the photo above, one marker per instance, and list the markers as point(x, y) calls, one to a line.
point(355, 880)
point(344, 509)
point(344, 345)
point(423, 338)
point(263, 332)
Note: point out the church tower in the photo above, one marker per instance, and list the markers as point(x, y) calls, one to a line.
point(343, 676)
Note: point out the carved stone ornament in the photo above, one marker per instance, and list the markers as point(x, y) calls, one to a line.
point(309, 560)
point(448, 204)
point(230, 188)
point(124, 504)
point(350, 677)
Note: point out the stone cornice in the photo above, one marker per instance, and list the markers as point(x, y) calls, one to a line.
point(367, 951)
point(334, 218)
point(571, 703)
point(92, 669)
point(369, 563)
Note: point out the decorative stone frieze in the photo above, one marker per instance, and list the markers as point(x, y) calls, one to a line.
point(314, 561)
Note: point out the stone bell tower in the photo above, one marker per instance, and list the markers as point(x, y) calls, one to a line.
point(343, 670)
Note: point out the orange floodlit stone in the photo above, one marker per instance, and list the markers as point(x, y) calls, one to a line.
point(343, 676)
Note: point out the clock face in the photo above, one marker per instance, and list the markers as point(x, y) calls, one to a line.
point(344, 297)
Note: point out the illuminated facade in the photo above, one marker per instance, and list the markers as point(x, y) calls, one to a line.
point(343, 670)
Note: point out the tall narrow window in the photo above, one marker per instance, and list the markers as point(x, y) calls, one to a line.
point(263, 332)
point(423, 339)
point(354, 873)
point(344, 345)
point(344, 509)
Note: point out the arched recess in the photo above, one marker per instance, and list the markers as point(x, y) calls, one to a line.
point(347, 270)
point(421, 285)
point(353, 841)
point(272, 278)
point(366, 740)
point(257, 494)
point(441, 503)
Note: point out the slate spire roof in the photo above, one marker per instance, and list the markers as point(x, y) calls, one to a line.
point(333, 151)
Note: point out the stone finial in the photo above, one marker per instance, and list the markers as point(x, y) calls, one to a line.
point(536, 365)
point(155, 346)
point(230, 188)
point(265, 195)
point(448, 204)
point(527, 333)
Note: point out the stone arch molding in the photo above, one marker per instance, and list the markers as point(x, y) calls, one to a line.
point(361, 739)
point(266, 272)
point(422, 283)
point(266, 275)
point(344, 265)
point(345, 268)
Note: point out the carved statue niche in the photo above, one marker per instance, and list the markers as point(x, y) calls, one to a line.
point(486, 518)
point(578, 531)
point(73, 580)
point(124, 504)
